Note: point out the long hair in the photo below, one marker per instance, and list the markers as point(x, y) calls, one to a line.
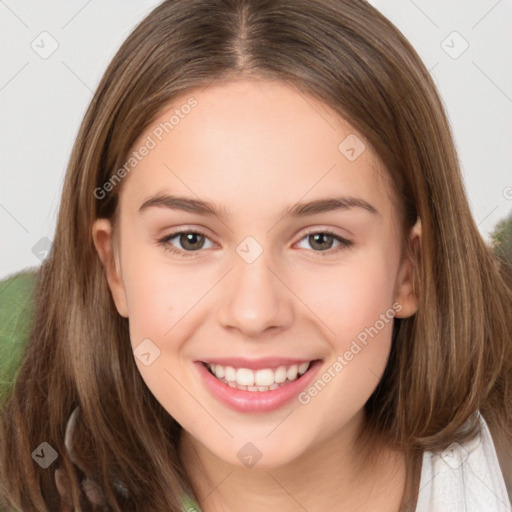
point(450, 359)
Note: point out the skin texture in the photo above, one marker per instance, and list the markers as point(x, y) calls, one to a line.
point(256, 147)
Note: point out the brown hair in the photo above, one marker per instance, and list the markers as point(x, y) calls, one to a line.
point(450, 359)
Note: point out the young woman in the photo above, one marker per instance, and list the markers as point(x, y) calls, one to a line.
point(266, 290)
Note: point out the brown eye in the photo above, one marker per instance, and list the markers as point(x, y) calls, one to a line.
point(188, 242)
point(191, 241)
point(322, 241)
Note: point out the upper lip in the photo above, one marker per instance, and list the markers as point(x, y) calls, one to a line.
point(256, 364)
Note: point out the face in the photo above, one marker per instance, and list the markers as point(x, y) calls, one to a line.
point(296, 260)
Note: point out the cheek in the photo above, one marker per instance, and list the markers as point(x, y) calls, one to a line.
point(159, 298)
point(354, 303)
point(149, 306)
point(163, 298)
point(355, 306)
point(350, 297)
point(151, 296)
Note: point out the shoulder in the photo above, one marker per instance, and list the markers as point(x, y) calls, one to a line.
point(465, 476)
point(16, 306)
point(502, 445)
point(15, 300)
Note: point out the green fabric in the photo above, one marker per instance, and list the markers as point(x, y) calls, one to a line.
point(189, 505)
point(16, 308)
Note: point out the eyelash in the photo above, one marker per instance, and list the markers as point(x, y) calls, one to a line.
point(164, 242)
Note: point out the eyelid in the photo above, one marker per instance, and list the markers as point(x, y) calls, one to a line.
point(312, 231)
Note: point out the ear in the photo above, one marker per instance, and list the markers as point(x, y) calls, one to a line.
point(406, 286)
point(105, 244)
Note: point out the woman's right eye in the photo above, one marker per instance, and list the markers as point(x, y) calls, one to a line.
point(186, 239)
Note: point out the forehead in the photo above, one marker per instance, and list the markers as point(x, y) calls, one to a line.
point(252, 144)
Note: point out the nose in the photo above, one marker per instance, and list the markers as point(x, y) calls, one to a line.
point(255, 298)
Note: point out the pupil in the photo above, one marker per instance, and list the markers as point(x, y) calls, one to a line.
point(317, 236)
point(189, 240)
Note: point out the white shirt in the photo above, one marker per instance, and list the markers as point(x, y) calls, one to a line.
point(464, 478)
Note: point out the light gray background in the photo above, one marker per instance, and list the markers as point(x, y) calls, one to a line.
point(43, 100)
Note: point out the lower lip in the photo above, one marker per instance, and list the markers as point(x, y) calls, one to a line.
point(256, 401)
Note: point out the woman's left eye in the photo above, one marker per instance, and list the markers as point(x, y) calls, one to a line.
point(319, 238)
point(192, 241)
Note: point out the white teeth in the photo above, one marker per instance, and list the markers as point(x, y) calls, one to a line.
point(264, 377)
point(262, 388)
point(245, 377)
point(259, 380)
point(292, 372)
point(280, 375)
point(218, 370)
point(230, 373)
point(303, 367)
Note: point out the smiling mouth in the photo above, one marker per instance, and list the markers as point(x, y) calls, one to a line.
point(265, 379)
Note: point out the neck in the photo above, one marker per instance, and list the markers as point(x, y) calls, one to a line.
point(351, 471)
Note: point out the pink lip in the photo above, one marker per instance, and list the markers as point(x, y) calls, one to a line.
point(256, 401)
point(256, 364)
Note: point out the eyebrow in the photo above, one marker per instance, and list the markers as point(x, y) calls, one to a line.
point(202, 207)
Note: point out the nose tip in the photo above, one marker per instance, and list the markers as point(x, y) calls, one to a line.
point(255, 300)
